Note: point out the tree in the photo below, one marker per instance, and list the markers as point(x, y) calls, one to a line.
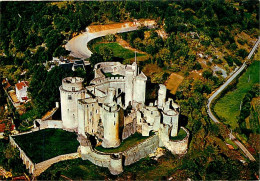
point(95, 58)
point(207, 74)
point(106, 53)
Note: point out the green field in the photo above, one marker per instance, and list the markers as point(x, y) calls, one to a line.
point(118, 50)
point(48, 143)
point(228, 107)
point(127, 143)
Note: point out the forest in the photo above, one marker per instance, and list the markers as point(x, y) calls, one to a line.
point(34, 32)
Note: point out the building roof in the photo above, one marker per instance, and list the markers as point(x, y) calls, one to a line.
point(22, 84)
point(141, 76)
point(3, 124)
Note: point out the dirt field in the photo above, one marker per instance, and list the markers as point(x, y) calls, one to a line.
point(97, 28)
point(173, 82)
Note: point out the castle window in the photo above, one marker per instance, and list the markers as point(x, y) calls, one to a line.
point(73, 88)
point(69, 97)
point(89, 120)
point(152, 112)
point(96, 111)
point(114, 123)
point(90, 113)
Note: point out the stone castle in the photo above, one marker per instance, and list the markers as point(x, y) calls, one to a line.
point(107, 112)
point(113, 106)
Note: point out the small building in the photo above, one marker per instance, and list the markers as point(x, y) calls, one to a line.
point(21, 90)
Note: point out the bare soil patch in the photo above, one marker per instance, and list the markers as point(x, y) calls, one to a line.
point(173, 82)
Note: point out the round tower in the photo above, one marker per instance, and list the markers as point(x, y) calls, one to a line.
point(71, 91)
point(110, 117)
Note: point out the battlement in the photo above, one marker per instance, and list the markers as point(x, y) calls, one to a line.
point(72, 84)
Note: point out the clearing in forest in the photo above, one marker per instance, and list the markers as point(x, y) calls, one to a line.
point(173, 82)
point(118, 50)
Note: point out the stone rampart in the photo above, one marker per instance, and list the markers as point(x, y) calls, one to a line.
point(141, 150)
point(44, 124)
point(176, 147)
point(100, 81)
point(42, 166)
point(110, 160)
point(26, 160)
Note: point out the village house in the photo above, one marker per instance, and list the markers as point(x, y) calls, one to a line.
point(21, 90)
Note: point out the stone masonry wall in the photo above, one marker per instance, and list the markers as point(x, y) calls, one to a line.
point(42, 166)
point(141, 150)
point(49, 124)
point(26, 160)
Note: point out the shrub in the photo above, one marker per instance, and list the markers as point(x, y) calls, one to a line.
point(217, 61)
point(242, 53)
point(207, 74)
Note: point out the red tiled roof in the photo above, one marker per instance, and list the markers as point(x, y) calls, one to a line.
point(22, 84)
point(2, 126)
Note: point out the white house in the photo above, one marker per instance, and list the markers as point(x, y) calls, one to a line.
point(21, 90)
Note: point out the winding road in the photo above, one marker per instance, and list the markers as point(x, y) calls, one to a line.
point(78, 45)
point(220, 89)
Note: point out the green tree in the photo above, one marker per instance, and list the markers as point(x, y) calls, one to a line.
point(106, 53)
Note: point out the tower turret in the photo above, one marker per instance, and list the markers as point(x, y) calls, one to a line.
point(110, 119)
point(71, 91)
point(161, 96)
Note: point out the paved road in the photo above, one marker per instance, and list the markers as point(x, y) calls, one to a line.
point(221, 88)
point(78, 45)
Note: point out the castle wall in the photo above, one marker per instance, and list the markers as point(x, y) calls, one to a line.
point(175, 121)
point(92, 117)
point(176, 147)
point(81, 118)
point(42, 166)
point(113, 162)
point(171, 120)
point(141, 150)
point(26, 160)
point(44, 124)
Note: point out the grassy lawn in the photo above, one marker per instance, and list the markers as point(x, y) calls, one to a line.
point(127, 143)
point(118, 50)
point(181, 135)
point(108, 74)
point(228, 107)
point(45, 144)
